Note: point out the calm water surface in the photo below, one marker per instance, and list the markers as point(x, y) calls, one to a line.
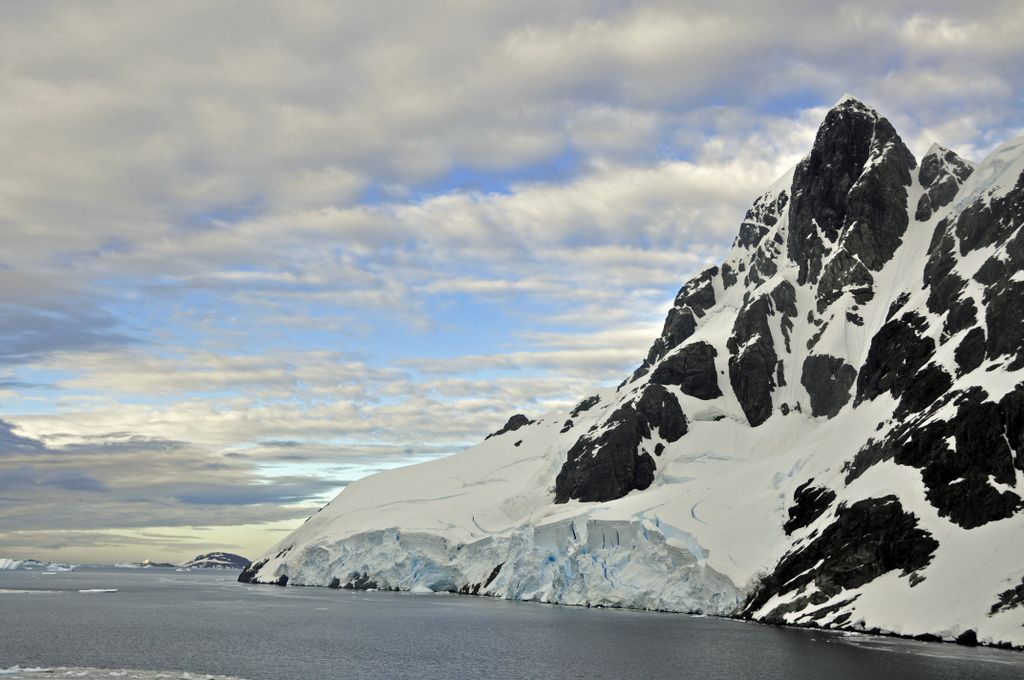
point(205, 622)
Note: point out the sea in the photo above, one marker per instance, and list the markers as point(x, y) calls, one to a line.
point(186, 624)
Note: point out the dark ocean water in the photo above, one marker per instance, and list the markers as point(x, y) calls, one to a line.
point(206, 622)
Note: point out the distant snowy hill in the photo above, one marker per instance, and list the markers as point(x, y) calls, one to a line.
point(828, 432)
point(7, 564)
point(217, 560)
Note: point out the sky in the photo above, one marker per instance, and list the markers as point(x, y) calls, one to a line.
point(251, 252)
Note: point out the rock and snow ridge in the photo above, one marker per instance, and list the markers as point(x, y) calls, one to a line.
point(217, 560)
point(828, 432)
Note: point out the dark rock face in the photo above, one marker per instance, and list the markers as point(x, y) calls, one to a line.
point(876, 217)
point(867, 539)
point(824, 179)
point(753, 361)
point(989, 223)
point(844, 273)
point(930, 383)
point(358, 581)
point(250, 571)
point(1003, 314)
point(475, 588)
point(810, 502)
point(679, 325)
point(898, 350)
point(470, 589)
point(839, 199)
point(692, 302)
point(763, 215)
point(585, 405)
point(729, 276)
point(494, 574)
point(610, 465)
point(939, 165)
point(994, 223)
point(827, 380)
point(987, 441)
point(582, 407)
point(848, 215)
point(751, 233)
point(970, 353)
point(942, 173)
point(962, 315)
point(693, 369)
point(1009, 599)
point(999, 223)
point(944, 286)
point(968, 638)
point(514, 423)
point(928, 637)
point(764, 262)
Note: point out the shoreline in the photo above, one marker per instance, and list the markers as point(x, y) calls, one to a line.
point(962, 641)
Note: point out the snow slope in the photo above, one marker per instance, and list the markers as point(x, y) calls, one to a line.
point(829, 431)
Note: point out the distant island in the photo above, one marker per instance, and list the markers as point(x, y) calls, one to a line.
point(217, 560)
point(211, 560)
point(7, 564)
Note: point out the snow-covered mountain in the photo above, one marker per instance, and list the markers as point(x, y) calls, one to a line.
point(829, 430)
point(8, 564)
point(217, 560)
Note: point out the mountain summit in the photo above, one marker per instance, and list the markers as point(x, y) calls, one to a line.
point(829, 430)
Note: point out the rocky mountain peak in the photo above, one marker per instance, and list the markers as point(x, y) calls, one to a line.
point(850, 192)
point(849, 101)
point(942, 174)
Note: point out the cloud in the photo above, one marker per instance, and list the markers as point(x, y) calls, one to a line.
point(12, 443)
point(133, 482)
point(280, 492)
point(34, 326)
point(27, 476)
point(74, 480)
point(37, 542)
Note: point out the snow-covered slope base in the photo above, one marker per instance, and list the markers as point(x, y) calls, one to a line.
point(829, 431)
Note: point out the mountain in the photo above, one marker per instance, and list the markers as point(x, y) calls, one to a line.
point(828, 432)
point(7, 564)
point(217, 560)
